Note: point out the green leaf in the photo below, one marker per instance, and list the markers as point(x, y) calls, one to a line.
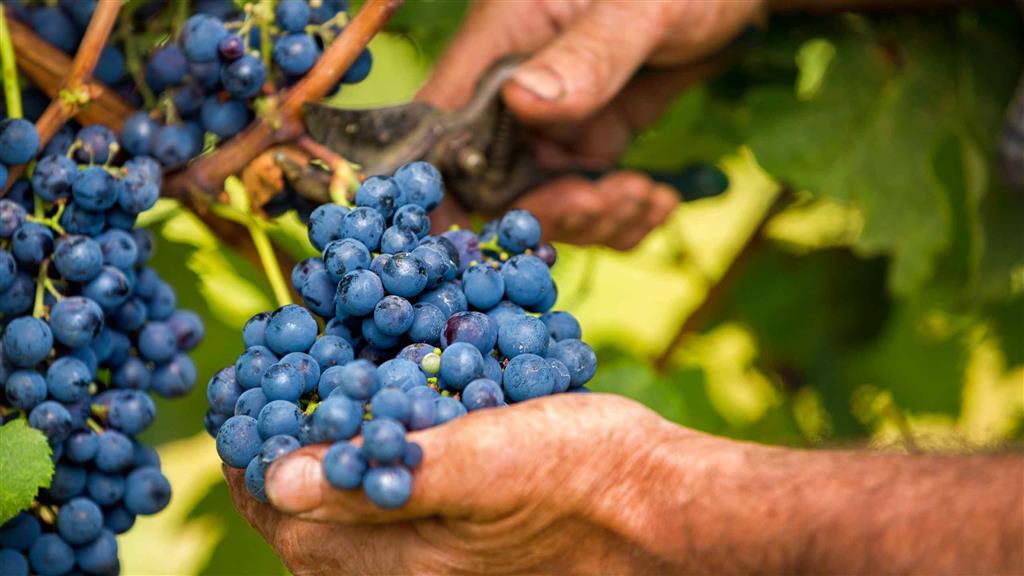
point(25, 466)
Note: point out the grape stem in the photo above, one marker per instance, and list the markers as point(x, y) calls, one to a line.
point(268, 258)
point(719, 289)
point(39, 308)
point(77, 80)
point(12, 92)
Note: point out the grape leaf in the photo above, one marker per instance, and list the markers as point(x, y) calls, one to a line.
point(25, 466)
point(868, 136)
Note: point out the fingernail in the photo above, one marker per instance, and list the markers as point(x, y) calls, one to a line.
point(294, 485)
point(542, 82)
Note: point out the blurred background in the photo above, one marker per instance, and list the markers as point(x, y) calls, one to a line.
point(860, 282)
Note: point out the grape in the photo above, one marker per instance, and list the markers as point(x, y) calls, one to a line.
point(238, 441)
point(472, 327)
point(518, 231)
point(110, 288)
point(13, 563)
point(250, 402)
point(254, 331)
point(174, 145)
point(98, 144)
point(420, 183)
point(176, 378)
point(224, 118)
point(397, 239)
point(114, 452)
point(31, 244)
point(78, 220)
point(166, 67)
point(523, 335)
point(404, 275)
point(365, 225)
point(11, 217)
point(78, 258)
point(483, 285)
point(359, 70)
point(448, 298)
point(343, 256)
point(20, 532)
point(325, 224)
point(279, 417)
point(468, 246)
point(130, 316)
point(400, 373)
point(105, 489)
point(147, 491)
point(68, 379)
point(187, 327)
point(306, 366)
point(25, 389)
point(50, 555)
point(131, 411)
point(100, 556)
point(80, 521)
point(81, 447)
point(380, 193)
point(118, 520)
point(546, 252)
point(244, 77)
point(358, 293)
point(200, 36)
point(393, 315)
point(413, 218)
point(254, 480)
point(157, 342)
point(75, 321)
point(526, 279)
point(252, 364)
point(344, 466)
point(27, 341)
point(19, 141)
point(138, 133)
point(276, 447)
point(492, 369)
point(578, 357)
point(561, 325)
point(358, 379)
point(292, 15)
point(482, 393)
point(427, 324)
point(383, 440)
point(290, 329)
point(528, 376)
point(390, 403)
point(295, 54)
point(388, 486)
point(330, 351)
point(53, 176)
point(461, 363)
point(68, 482)
point(561, 375)
point(337, 418)
point(111, 67)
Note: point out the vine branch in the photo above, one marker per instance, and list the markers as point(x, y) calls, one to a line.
point(206, 176)
point(77, 80)
point(696, 319)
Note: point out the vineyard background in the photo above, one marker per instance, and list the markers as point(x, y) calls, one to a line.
point(860, 283)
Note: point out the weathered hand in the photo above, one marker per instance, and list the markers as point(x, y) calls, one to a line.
point(579, 92)
point(538, 487)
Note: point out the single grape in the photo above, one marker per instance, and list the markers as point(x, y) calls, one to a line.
point(307, 366)
point(78, 258)
point(528, 376)
point(344, 466)
point(32, 243)
point(292, 15)
point(475, 328)
point(51, 556)
point(420, 183)
point(244, 77)
point(482, 393)
point(276, 447)
point(578, 357)
point(223, 391)
point(358, 293)
point(461, 363)
point(27, 341)
point(110, 288)
point(25, 389)
point(518, 230)
point(19, 141)
point(224, 118)
point(53, 176)
point(99, 556)
point(526, 279)
point(200, 36)
point(138, 134)
point(448, 298)
point(390, 403)
point(81, 447)
point(344, 256)
point(68, 379)
point(157, 343)
point(427, 324)
point(295, 54)
point(414, 218)
point(254, 331)
point(358, 379)
point(483, 286)
point(255, 482)
point(359, 70)
point(400, 373)
point(79, 521)
point(238, 441)
point(105, 489)
point(337, 418)
point(561, 375)
point(147, 491)
point(252, 364)
point(562, 325)
point(131, 411)
point(166, 67)
point(291, 329)
point(279, 417)
point(114, 451)
point(250, 402)
point(523, 335)
point(325, 224)
point(20, 532)
point(404, 274)
point(388, 486)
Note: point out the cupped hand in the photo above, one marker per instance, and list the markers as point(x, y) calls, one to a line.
point(542, 486)
point(580, 93)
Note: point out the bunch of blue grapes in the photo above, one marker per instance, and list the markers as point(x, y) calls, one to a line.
point(209, 77)
point(418, 330)
point(87, 332)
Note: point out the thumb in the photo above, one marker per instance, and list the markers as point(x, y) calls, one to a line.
point(586, 66)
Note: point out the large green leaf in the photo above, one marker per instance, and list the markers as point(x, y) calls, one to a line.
point(25, 466)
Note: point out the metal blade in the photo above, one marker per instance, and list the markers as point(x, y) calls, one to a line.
point(363, 136)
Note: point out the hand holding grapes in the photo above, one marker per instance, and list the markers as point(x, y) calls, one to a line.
point(578, 91)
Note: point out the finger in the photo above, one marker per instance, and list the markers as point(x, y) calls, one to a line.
point(659, 204)
point(491, 30)
point(565, 207)
point(260, 516)
point(583, 68)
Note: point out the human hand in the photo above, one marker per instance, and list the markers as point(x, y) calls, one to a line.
point(550, 485)
point(577, 91)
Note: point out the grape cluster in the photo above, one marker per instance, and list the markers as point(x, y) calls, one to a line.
point(419, 330)
point(87, 330)
point(210, 76)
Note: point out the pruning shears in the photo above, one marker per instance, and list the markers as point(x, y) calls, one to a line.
point(481, 149)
